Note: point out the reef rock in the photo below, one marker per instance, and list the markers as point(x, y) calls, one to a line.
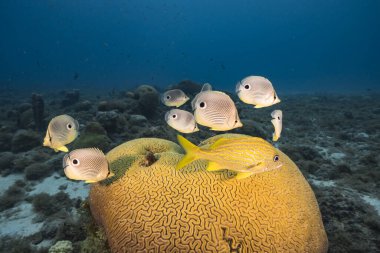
point(149, 206)
point(148, 98)
point(24, 140)
point(61, 247)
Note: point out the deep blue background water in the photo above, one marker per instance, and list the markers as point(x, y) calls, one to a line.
point(300, 45)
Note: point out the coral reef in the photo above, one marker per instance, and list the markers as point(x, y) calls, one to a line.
point(37, 171)
point(150, 206)
point(38, 107)
point(24, 140)
point(148, 98)
point(94, 135)
point(61, 247)
point(70, 98)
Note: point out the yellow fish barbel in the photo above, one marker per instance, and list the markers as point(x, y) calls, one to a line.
point(245, 155)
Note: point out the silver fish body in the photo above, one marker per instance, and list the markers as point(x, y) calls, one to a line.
point(174, 97)
point(88, 164)
point(257, 91)
point(277, 123)
point(216, 110)
point(61, 131)
point(182, 121)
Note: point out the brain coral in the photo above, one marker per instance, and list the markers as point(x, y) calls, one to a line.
point(151, 207)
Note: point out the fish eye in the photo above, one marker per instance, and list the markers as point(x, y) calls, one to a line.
point(69, 126)
point(278, 117)
point(202, 105)
point(167, 97)
point(247, 86)
point(275, 96)
point(174, 116)
point(276, 158)
point(75, 162)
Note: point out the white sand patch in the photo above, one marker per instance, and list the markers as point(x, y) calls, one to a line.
point(50, 185)
point(322, 183)
point(373, 202)
point(9, 180)
point(362, 135)
point(18, 221)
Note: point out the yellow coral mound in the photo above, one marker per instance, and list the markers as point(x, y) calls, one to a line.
point(151, 207)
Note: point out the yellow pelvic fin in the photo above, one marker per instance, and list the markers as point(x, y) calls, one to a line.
point(259, 106)
point(242, 175)
point(63, 149)
point(191, 152)
point(213, 166)
point(275, 137)
point(90, 181)
point(111, 174)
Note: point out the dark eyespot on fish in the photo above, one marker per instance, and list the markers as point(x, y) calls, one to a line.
point(61, 131)
point(257, 91)
point(216, 110)
point(87, 164)
point(174, 97)
point(181, 120)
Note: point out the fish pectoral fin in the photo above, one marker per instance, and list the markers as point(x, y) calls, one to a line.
point(213, 166)
point(90, 181)
point(218, 142)
point(257, 168)
point(242, 175)
point(63, 149)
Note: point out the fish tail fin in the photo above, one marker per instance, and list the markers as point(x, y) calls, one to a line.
point(63, 149)
point(191, 151)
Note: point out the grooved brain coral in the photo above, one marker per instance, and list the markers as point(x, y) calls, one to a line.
point(151, 207)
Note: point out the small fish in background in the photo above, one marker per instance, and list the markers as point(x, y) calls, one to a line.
point(88, 164)
point(244, 155)
point(174, 97)
point(277, 123)
point(61, 131)
point(182, 121)
point(215, 109)
point(76, 76)
point(257, 91)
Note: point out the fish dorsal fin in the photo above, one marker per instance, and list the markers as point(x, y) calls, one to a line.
point(218, 142)
point(206, 87)
point(214, 166)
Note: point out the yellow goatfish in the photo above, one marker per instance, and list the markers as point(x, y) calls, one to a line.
point(244, 155)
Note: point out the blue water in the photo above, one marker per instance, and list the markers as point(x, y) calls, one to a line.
point(312, 45)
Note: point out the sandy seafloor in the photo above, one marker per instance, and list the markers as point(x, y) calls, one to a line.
point(334, 139)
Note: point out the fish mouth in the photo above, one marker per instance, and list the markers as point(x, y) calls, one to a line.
point(167, 116)
point(237, 88)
